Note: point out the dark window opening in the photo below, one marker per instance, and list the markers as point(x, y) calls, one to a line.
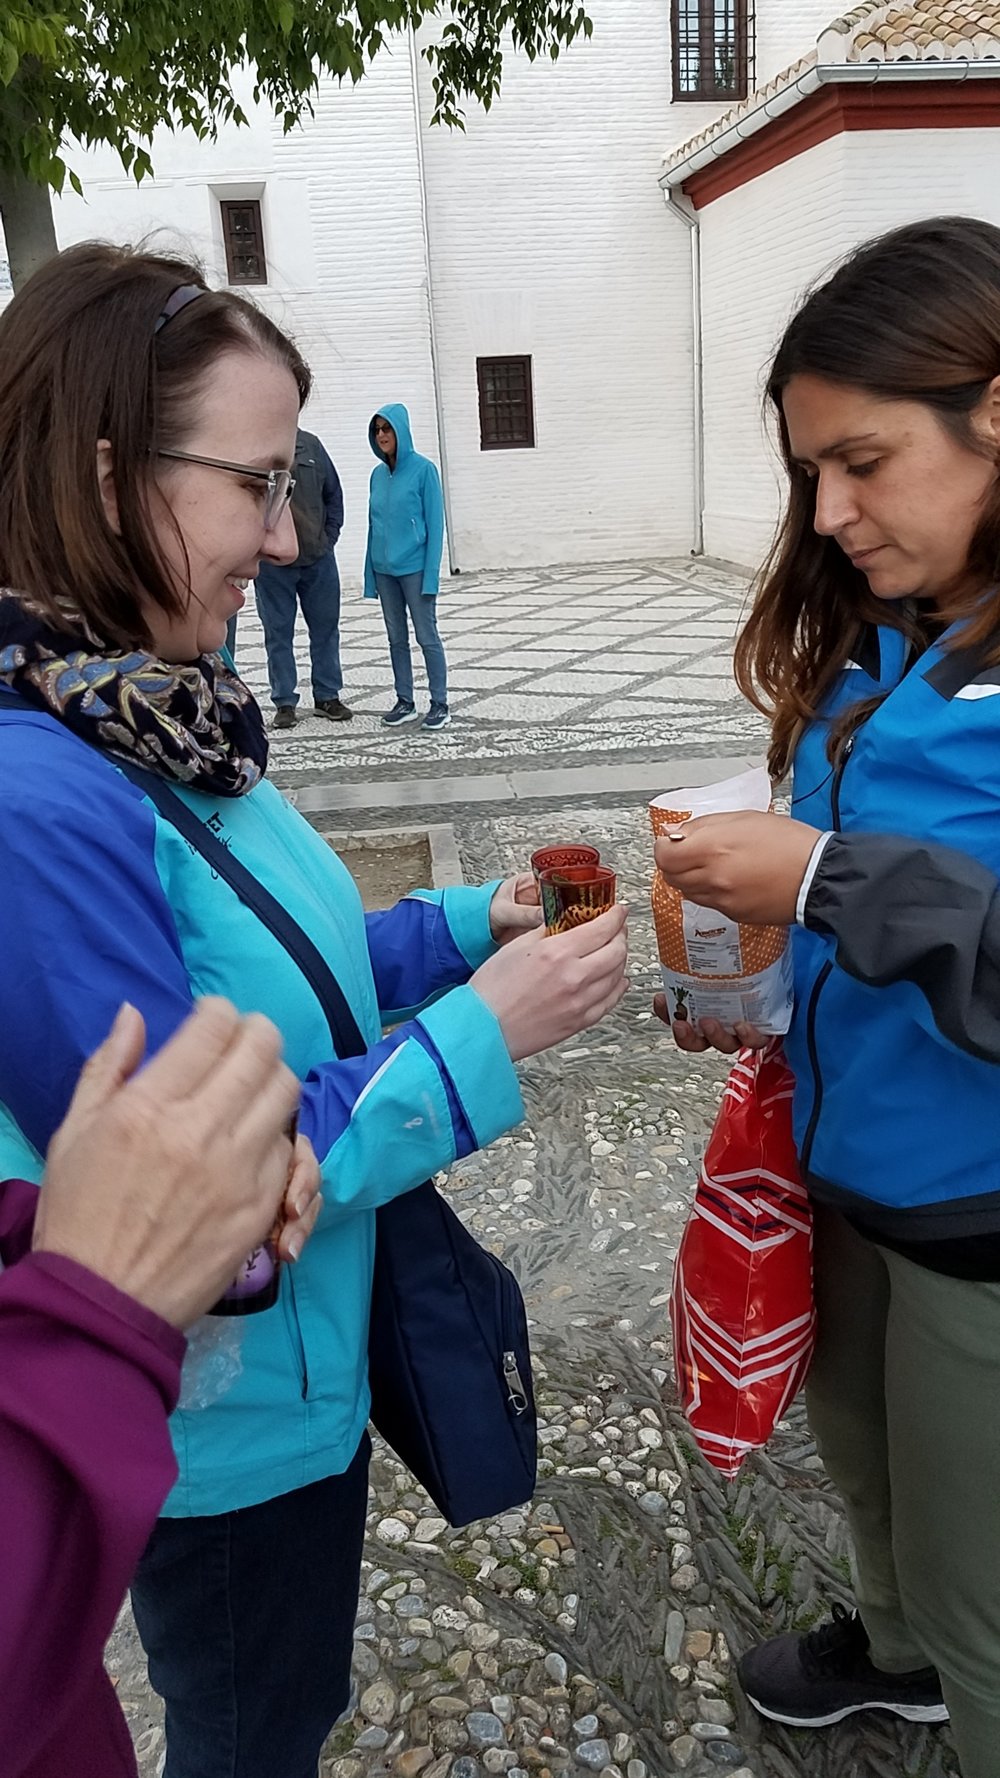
point(243, 234)
point(712, 48)
point(506, 411)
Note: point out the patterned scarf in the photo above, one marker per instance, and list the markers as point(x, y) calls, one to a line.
point(196, 723)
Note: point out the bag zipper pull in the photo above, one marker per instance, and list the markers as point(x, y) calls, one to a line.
point(516, 1393)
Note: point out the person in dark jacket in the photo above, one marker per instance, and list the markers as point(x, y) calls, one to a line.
point(157, 1185)
point(312, 581)
point(874, 644)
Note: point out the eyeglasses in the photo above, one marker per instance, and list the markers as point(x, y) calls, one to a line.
point(280, 482)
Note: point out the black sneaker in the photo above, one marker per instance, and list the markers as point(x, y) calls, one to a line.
point(817, 1679)
point(438, 716)
point(401, 712)
point(332, 709)
point(285, 717)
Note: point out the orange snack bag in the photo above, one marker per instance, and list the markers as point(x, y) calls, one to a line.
point(714, 967)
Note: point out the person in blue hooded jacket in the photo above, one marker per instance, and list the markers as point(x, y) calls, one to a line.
point(874, 644)
point(403, 562)
point(159, 421)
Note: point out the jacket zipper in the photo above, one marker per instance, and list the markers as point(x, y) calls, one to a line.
point(821, 980)
point(517, 1395)
point(810, 1135)
point(838, 779)
point(298, 1341)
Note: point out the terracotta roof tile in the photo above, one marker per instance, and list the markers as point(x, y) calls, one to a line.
point(893, 30)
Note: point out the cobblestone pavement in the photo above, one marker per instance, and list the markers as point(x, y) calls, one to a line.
point(594, 1630)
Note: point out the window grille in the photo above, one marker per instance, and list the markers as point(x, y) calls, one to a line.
point(506, 413)
point(712, 48)
point(243, 234)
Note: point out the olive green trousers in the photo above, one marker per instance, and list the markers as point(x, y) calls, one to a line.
point(904, 1399)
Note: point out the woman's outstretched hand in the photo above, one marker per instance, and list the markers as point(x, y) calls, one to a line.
point(545, 988)
point(515, 908)
point(748, 865)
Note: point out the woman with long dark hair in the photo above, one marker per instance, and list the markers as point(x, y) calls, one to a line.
point(874, 645)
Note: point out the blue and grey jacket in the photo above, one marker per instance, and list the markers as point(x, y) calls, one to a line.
point(101, 901)
point(405, 510)
point(896, 1037)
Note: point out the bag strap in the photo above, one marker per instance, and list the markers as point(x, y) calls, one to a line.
point(347, 1039)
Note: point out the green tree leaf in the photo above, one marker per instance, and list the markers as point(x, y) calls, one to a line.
point(9, 61)
point(110, 72)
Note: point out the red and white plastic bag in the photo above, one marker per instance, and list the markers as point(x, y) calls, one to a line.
point(742, 1300)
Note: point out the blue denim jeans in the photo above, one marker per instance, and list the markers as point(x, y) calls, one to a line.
point(316, 588)
point(398, 596)
point(247, 1620)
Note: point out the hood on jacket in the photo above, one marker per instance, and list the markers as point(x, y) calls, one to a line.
point(399, 420)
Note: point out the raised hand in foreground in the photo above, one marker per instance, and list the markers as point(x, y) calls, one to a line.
point(162, 1181)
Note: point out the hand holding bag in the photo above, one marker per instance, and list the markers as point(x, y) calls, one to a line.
point(448, 1353)
point(742, 1299)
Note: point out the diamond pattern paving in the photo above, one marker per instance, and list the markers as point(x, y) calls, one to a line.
point(548, 667)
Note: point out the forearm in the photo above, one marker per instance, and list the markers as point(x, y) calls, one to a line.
point(437, 1088)
point(906, 910)
point(430, 941)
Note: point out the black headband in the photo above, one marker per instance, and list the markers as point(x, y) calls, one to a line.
point(178, 300)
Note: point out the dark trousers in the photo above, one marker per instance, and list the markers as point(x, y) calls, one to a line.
point(247, 1619)
point(902, 1396)
point(280, 592)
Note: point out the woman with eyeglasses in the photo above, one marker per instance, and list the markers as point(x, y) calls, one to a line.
point(147, 432)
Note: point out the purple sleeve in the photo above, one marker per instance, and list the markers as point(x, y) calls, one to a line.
point(18, 1203)
point(87, 1380)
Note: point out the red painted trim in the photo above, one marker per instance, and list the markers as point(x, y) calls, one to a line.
point(889, 105)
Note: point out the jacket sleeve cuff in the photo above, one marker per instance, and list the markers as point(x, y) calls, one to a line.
point(467, 912)
point(806, 884)
point(468, 1038)
point(103, 1299)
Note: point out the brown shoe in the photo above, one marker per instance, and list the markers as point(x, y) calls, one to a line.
point(333, 709)
point(285, 717)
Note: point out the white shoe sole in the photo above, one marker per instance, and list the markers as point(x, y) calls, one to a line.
point(434, 726)
point(909, 1713)
point(398, 721)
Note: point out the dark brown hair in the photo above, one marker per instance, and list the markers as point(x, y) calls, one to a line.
point(911, 316)
point(81, 360)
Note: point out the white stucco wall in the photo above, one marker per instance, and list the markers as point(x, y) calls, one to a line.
point(344, 249)
point(788, 29)
point(548, 236)
point(764, 245)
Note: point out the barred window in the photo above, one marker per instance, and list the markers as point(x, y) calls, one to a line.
point(712, 48)
point(506, 411)
point(243, 235)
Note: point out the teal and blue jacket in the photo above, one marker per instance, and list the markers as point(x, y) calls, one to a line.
point(101, 901)
point(895, 1042)
point(405, 510)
